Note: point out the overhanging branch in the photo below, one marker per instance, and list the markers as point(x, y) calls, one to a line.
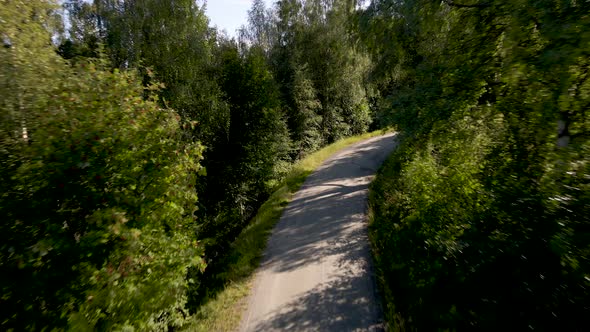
point(460, 5)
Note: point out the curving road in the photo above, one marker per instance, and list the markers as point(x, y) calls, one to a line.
point(316, 274)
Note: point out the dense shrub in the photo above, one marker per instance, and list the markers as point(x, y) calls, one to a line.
point(97, 192)
point(464, 242)
point(481, 216)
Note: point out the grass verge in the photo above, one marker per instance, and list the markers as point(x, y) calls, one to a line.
point(223, 313)
point(377, 195)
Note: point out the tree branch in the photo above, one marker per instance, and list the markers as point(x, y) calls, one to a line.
point(459, 5)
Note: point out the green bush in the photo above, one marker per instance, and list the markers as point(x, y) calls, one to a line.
point(101, 203)
point(97, 192)
point(463, 241)
point(482, 215)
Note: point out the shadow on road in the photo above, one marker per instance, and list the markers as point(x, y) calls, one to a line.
point(324, 226)
point(322, 308)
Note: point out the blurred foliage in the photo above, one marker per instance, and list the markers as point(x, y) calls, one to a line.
point(97, 186)
point(482, 214)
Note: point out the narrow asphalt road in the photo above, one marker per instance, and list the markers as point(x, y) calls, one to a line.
point(316, 273)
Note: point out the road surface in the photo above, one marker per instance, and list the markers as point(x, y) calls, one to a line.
point(316, 273)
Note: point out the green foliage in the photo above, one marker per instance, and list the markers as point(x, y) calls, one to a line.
point(321, 71)
point(97, 192)
point(480, 214)
point(258, 137)
point(306, 121)
point(229, 97)
point(170, 40)
point(243, 167)
point(99, 179)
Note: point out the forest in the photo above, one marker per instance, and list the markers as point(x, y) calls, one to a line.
point(137, 142)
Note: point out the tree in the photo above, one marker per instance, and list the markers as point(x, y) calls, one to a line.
point(260, 30)
point(97, 191)
point(313, 38)
point(306, 120)
point(255, 148)
point(170, 40)
point(473, 225)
